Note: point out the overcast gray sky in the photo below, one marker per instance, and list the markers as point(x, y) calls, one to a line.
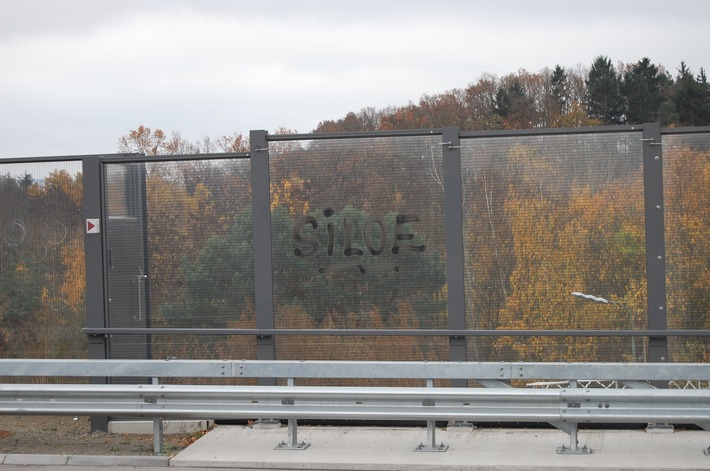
point(76, 75)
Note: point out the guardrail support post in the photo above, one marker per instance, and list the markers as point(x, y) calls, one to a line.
point(573, 430)
point(292, 442)
point(430, 429)
point(158, 430)
point(574, 448)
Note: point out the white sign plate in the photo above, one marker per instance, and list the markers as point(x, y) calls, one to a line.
point(93, 226)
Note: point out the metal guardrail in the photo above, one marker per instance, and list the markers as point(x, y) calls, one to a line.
point(497, 401)
point(503, 371)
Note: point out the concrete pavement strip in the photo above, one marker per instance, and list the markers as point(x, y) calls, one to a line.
point(380, 448)
point(388, 448)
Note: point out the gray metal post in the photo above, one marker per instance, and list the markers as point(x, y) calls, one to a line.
point(261, 221)
point(292, 442)
point(655, 239)
point(573, 430)
point(430, 444)
point(453, 214)
point(93, 259)
point(158, 430)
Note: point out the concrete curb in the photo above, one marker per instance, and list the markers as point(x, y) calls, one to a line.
point(85, 460)
point(41, 460)
point(143, 461)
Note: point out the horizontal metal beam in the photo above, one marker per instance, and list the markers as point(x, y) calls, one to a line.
point(354, 135)
point(280, 411)
point(117, 368)
point(686, 130)
point(200, 393)
point(31, 160)
point(400, 403)
point(398, 332)
point(141, 158)
point(357, 369)
point(551, 131)
point(354, 393)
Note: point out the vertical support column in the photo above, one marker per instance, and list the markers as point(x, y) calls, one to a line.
point(158, 429)
point(453, 217)
point(655, 239)
point(573, 430)
point(93, 259)
point(431, 429)
point(261, 222)
point(292, 442)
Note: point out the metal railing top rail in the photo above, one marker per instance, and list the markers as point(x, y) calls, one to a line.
point(502, 371)
point(654, 333)
point(353, 135)
point(462, 134)
point(142, 158)
point(61, 158)
point(686, 130)
point(551, 131)
point(483, 134)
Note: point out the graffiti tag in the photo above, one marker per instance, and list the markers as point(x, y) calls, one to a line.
point(370, 241)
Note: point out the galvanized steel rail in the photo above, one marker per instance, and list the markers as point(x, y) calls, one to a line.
point(356, 369)
point(565, 408)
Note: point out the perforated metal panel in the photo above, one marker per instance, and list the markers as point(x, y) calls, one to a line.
point(42, 305)
point(546, 216)
point(358, 242)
